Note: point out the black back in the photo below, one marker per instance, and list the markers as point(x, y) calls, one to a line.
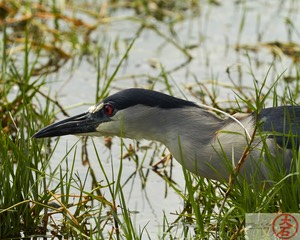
point(135, 96)
point(283, 123)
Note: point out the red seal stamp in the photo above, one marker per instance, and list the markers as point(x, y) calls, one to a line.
point(285, 226)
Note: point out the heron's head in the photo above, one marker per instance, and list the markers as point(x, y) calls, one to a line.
point(132, 113)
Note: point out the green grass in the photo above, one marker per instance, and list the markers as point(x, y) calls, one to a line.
point(39, 199)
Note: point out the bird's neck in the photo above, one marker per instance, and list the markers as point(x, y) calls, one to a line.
point(169, 126)
point(187, 132)
point(200, 140)
point(189, 139)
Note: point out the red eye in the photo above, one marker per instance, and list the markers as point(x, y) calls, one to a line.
point(108, 110)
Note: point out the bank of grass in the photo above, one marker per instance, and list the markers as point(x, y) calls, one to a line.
point(38, 200)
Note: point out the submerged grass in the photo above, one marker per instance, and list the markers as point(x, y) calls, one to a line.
point(36, 199)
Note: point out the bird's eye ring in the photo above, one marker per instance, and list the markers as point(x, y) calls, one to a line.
point(108, 110)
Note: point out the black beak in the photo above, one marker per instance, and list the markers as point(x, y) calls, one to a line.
point(81, 124)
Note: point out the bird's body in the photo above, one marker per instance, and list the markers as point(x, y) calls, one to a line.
point(204, 143)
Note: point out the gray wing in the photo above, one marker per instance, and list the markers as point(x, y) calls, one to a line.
point(282, 124)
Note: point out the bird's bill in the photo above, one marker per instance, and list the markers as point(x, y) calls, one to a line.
point(81, 124)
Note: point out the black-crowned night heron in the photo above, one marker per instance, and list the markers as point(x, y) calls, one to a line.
point(204, 143)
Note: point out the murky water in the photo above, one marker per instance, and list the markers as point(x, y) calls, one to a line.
point(213, 36)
